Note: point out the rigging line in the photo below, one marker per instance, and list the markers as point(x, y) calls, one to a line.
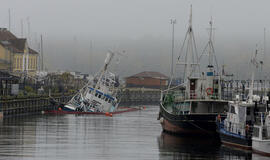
point(196, 51)
point(214, 53)
point(186, 57)
point(181, 50)
point(193, 68)
point(203, 51)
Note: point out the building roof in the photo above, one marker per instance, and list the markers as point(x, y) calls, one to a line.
point(18, 43)
point(6, 35)
point(31, 51)
point(9, 46)
point(149, 74)
point(10, 41)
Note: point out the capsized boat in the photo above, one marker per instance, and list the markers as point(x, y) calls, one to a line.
point(99, 94)
point(192, 107)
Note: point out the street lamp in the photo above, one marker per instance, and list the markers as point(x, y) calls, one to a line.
point(173, 22)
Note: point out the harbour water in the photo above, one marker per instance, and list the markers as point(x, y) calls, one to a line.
point(133, 135)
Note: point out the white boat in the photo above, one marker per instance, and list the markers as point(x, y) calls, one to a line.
point(236, 129)
point(261, 135)
point(99, 94)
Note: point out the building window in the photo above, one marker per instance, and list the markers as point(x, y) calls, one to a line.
point(21, 63)
point(17, 63)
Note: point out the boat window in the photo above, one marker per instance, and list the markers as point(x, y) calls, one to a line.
point(256, 132)
point(99, 95)
point(96, 94)
point(248, 111)
point(109, 101)
point(106, 99)
point(232, 109)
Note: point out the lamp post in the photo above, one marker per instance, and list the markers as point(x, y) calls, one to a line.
point(173, 22)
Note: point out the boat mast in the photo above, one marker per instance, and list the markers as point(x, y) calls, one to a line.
point(210, 43)
point(211, 51)
point(255, 63)
point(104, 69)
point(190, 59)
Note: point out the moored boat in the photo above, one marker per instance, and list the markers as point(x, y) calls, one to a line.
point(192, 107)
point(261, 135)
point(237, 128)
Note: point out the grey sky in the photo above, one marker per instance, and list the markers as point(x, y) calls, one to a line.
point(141, 27)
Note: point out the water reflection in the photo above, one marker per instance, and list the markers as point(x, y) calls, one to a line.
point(134, 135)
point(186, 147)
point(125, 136)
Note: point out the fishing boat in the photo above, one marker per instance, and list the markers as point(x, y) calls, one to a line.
point(261, 135)
point(99, 95)
point(237, 128)
point(192, 107)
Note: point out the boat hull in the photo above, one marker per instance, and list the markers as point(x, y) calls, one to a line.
point(261, 146)
point(232, 139)
point(68, 108)
point(118, 111)
point(192, 124)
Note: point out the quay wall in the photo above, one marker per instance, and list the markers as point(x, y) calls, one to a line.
point(15, 106)
point(139, 96)
point(29, 105)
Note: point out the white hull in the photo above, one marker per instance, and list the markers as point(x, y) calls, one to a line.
point(261, 146)
point(98, 95)
point(70, 107)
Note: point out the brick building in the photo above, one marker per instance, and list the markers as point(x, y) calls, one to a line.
point(147, 80)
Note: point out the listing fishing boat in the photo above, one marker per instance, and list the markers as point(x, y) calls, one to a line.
point(261, 135)
point(192, 107)
point(237, 128)
point(99, 95)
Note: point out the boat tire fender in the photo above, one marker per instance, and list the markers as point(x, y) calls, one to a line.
point(209, 91)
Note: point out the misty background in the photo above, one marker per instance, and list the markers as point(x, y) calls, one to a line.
point(78, 33)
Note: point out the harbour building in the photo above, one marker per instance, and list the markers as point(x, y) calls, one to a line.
point(16, 56)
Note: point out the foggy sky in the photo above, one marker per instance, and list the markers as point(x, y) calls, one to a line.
point(139, 27)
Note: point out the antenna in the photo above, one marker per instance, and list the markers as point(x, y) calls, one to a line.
point(41, 50)
point(264, 42)
point(21, 28)
point(29, 37)
point(90, 56)
point(9, 20)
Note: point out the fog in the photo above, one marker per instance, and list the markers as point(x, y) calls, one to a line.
point(77, 34)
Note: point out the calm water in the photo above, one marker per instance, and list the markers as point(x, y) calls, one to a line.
point(134, 135)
